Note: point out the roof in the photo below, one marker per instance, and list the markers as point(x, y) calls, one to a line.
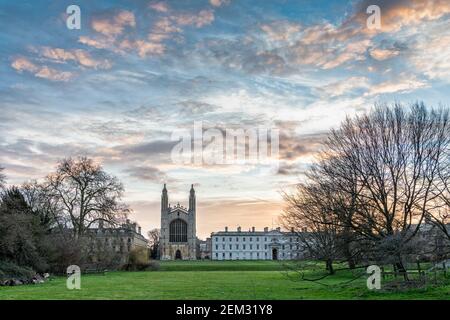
point(252, 233)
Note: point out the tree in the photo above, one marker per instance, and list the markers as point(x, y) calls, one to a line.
point(86, 194)
point(41, 202)
point(396, 155)
point(154, 240)
point(380, 175)
point(21, 234)
point(440, 216)
point(2, 178)
point(306, 215)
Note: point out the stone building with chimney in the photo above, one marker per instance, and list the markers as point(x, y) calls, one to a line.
point(120, 240)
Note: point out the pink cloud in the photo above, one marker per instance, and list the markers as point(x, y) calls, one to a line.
point(202, 18)
point(219, 3)
point(143, 48)
point(383, 54)
point(398, 14)
point(405, 83)
point(159, 6)
point(23, 64)
point(78, 55)
point(115, 25)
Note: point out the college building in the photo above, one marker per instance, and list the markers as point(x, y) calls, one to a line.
point(255, 245)
point(121, 240)
point(179, 241)
point(178, 229)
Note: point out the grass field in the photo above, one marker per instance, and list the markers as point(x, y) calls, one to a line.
point(216, 280)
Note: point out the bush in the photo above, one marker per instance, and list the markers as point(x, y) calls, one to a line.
point(137, 260)
point(153, 265)
point(62, 252)
point(10, 270)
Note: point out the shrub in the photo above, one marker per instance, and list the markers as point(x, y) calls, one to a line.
point(153, 265)
point(10, 270)
point(63, 251)
point(137, 260)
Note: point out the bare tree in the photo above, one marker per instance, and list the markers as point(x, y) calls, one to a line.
point(154, 238)
point(396, 156)
point(380, 175)
point(2, 178)
point(43, 204)
point(309, 219)
point(440, 216)
point(86, 194)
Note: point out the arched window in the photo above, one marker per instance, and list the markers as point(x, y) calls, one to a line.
point(178, 231)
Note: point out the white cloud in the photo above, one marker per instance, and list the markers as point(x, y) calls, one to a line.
point(405, 83)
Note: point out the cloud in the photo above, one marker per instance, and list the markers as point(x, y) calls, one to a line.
point(78, 55)
point(158, 147)
point(294, 146)
point(143, 48)
point(290, 169)
point(159, 6)
point(200, 19)
point(23, 64)
point(281, 30)
point(398, 14)
point(405, 83)
point(148, 173)
point(114, 25)
point(383, 54)
point(163, 29)
point(287, 47)
point(344, 86)
point(219, 3)
point(431, 54)
point(104, 43)
point(114, 38)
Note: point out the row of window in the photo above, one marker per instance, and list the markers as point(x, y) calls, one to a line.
point(114, 240)
point(244, 247)
point(216, 239)
point(258, 255)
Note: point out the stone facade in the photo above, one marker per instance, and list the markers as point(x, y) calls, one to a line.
point(255, 245)
point(122, 240)
point(178, 229)
point(204, 248)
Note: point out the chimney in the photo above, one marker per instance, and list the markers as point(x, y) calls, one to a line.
point(278, 229)
point(100, 224)
point(139, 230)
point(239, 229)
point(226, 229)
point(292, 230)
point(266, 229)
point(253, 229)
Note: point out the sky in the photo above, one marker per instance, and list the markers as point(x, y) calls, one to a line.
point(137, 71)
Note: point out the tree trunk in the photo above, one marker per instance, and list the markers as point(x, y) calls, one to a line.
point(349, 257)
point(329, 266)
point(402, 270)
point(347, 251)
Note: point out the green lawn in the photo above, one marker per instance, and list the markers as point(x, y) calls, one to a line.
point(214, 280)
